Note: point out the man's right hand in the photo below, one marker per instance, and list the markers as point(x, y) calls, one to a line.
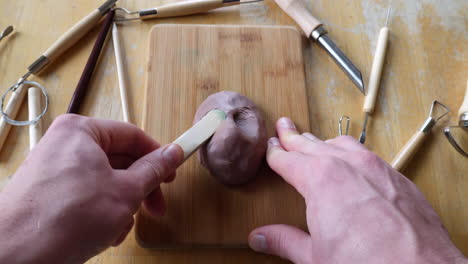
point(359, 209)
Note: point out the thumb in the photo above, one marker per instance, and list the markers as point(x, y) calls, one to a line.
point(284, 241)
point(153, 168)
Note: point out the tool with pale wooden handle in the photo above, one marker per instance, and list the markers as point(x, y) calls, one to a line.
point(12, 108)
point(34, 109)
point(183, 8)
point(412, 146)
point(374, 79)
point(462, 124)
point(51, 54)
point(314, 30)
point(120, 73)
point(193, 138)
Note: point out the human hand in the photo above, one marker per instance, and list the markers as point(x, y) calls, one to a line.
point(77, 191)
point(359, 209)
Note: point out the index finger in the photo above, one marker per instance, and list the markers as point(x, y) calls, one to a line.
point(117, 138)
point(288, 164)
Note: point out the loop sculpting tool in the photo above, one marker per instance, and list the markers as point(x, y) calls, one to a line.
point(179, 9)
point(407, 152)
point(374, 80)
point(340, 125)
point(460, 144)
point(315, 31)
point(67, 40)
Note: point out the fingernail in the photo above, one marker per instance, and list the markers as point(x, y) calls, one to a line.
point(273, 142)
point(172, 154)
point(285, 122)
point(258, 243)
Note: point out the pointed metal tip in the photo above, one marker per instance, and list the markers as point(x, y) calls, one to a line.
point(360, 84)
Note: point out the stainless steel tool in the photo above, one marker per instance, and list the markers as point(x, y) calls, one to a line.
point(178, 9)
point(7, 31)
point(415, 142)
point(460, 142)
point(315, 31)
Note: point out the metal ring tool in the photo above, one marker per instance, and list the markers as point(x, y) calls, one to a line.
point(13, 88)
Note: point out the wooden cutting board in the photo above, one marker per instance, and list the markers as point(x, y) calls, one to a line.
point(186, 64)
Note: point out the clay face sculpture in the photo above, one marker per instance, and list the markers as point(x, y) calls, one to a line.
point(235, 152)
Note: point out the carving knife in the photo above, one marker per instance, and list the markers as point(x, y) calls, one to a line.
point(199, 133)
point(315, 31)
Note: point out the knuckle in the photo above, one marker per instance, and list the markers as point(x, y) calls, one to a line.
point(156, 170)
point(71, 123)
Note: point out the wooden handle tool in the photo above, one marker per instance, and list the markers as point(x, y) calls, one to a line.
point(183, 8)
point(374, 79)
point(120, 73)
point(83, 84)
point(70, 37)
point(34, 109)
point(193, 138)
point(12, 108)
point(314, 30)
point(402, 159)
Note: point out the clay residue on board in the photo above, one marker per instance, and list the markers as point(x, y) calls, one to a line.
point(235, 152)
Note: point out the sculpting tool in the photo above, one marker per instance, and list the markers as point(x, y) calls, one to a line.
point(376, 73)
point(180, 9)
point(340, 125)
point(51, 54)
point(462, 124)
point(34, 109)
point(315, 31)
point(6, 32)
point(415, 142)
point(199, 133)
point(120, 73)
point(83, 84)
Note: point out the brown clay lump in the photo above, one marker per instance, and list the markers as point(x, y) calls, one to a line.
point(235, 152)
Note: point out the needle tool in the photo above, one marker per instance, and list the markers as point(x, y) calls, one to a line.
point(179, 9)
point(18, 90)
point(374, 80)
point(460, 142)
point(437, 112)
point(315, 31)
point(83, 84)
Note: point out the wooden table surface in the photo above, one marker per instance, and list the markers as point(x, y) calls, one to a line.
point(426, 60)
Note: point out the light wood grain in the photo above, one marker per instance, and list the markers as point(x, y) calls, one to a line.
point(376, 71)
point(34, 109)
point(403, 158)
point(196, 61)
point(420, 66)
point(297, 11)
